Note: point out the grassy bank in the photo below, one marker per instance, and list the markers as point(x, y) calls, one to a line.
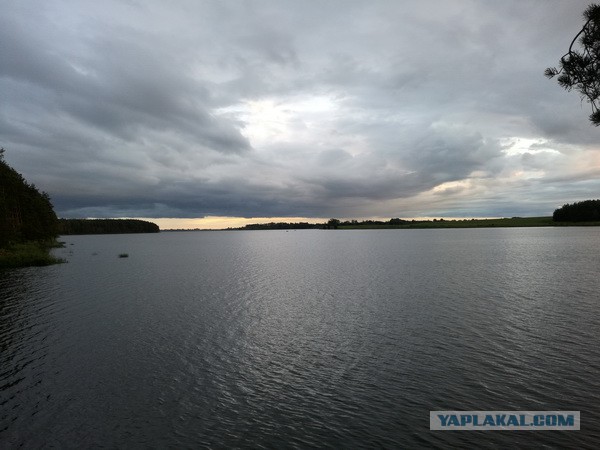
point(29, 254)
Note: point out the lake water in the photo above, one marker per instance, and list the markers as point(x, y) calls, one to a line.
point(274, 339)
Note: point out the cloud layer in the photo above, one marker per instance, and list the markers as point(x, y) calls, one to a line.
point(298, 109)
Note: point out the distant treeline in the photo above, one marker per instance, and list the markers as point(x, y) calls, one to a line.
point(335, 223)
point(409, 224)
point(586, 211)
point(106, 226)
point(331, 223)
point(26, 214)
point(281, 226)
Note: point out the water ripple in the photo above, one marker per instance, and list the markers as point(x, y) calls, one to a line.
point(296, 340)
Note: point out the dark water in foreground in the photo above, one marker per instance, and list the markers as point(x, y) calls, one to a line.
point(297, 339)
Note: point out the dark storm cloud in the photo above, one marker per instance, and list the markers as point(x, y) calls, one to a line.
point(121, 82)
point(275, 108)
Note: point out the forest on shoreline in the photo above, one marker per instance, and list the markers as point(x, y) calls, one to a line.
point(105, 226)
point(28, 224)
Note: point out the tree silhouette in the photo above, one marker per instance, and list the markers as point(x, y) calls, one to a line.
point(580, 68)
point(333, 223)
point(585, 211)
point(26, 214)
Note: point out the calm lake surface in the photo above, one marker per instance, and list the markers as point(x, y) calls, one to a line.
point(312, 338)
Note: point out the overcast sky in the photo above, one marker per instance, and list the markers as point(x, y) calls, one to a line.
point(350, 109)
